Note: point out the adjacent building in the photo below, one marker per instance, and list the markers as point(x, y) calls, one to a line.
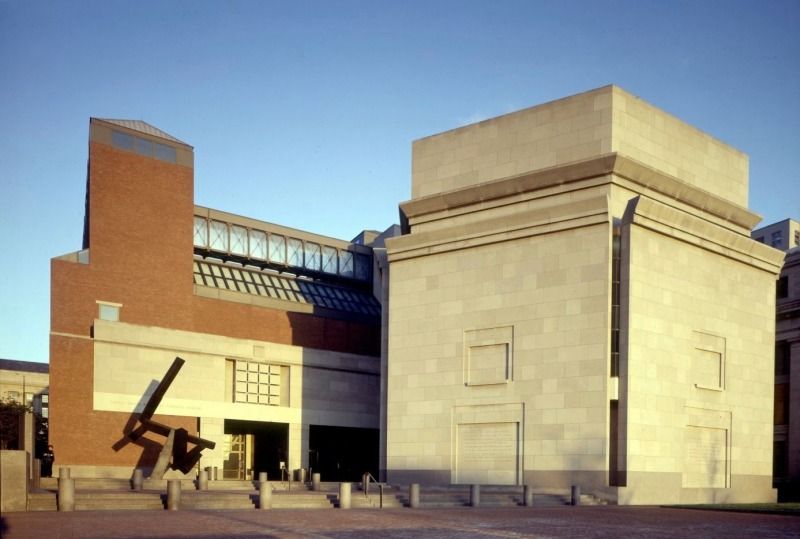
point(782, 235)
point(26, 382)
point(786, 442)
point(280, 328)
point(578, 300)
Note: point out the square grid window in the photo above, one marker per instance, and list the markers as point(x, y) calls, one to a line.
point(257, 383)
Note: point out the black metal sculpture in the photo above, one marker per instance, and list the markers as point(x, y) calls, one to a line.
point(178, 440)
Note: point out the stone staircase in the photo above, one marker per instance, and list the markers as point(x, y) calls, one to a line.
point(116, 494)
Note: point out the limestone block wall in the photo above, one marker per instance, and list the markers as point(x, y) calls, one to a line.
point(651, 136)
point(566, 130)
point(575, 128)
point(697, 372)
point(324, 387)
point(499, 359)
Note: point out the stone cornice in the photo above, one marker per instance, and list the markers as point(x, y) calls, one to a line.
point(589, 212)
point(682, 226)
point(612, 165)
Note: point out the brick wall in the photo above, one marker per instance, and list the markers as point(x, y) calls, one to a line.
point(140, 245)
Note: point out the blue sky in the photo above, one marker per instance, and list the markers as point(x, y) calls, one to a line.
point(303, 113)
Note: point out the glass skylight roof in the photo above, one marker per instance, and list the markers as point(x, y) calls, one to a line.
point(276, 286)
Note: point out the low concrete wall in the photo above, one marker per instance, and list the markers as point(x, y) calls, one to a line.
point(13, 480)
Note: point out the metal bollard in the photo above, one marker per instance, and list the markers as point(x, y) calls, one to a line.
point(216, 473)
point(138, 479)
point(300, 475)
point(264, 495)
point(344, 495)
point(173, 494)
point(474, 495)
point(576, 495)
point(262, 477)
point(315, 481)
point(202, 480)
point(63, 473)
point(413, 495)
point(527, 495)
point(66, 493)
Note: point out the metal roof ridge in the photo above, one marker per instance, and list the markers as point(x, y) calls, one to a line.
point(143, 127)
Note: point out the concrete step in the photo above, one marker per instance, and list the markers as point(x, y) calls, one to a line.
point(302, 504)
point(102, 505)
point(42, 501)
point(89, 483)
point(231, 485)
point(490, 499)
point(302, 500)
point(124, 500)
point(106, 483)
point(217, 500)
point(296, 486)
point(373, 501)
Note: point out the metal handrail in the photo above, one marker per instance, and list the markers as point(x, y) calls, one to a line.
point(366, 479)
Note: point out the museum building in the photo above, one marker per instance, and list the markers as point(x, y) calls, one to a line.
point(577, 301)
point(574, 299)
point(280, 329)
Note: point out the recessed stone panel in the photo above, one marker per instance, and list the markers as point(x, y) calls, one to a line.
point(487, 453)
point(487, 356)
point(706, 461)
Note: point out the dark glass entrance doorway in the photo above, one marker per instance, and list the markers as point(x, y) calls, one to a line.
point(255, 446)
point(343, 453)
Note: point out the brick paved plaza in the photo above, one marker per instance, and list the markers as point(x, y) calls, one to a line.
point(404, 523)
